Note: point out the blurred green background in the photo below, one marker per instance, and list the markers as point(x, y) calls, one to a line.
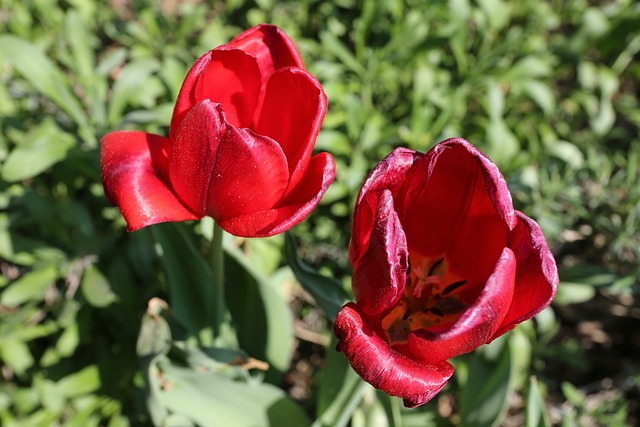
point(548, 89)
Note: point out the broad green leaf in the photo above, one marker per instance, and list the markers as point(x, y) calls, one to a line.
point(567, 152)
point(595, 275)
point(190, 281)
point(43, 74)
point(30, 287)
point(536, 414)
point(542, 94)
point(41, 148)
point(503, 144)
point(574, 293)
point(80, 42)
point(96, 288)
point(126, 86)
point(84, 381)
point(16, 355)
point(154, 338)
point(328, 293)
point(340, 390)
point(572, 394)
point(485, 397)
point(51, 398)
point(212, 400)
point(334, 46)
point(260, 311)
point(68, 341)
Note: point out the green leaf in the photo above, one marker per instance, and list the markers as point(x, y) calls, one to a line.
point(189, 278)
point(30, 287)
point(574, 293)
point(484, 399)
point(263, 318)
point(43, 74)
point(536, 414)
point(125, 87)
point(541, 94)
point(328, 293)
point(154, 339)
point(212, 400)
point(68, 341)
point(41, 148)
point(340, 390)
point(572, 394)
point(16, 355)
point(96, 288)
point(84, 381)
point(79, 40)
point(334, 46)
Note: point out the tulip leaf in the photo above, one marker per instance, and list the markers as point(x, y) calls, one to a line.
point(328, 293)
point(485, 397)
point(340, 390)
point(536, 414)
point(190, 281)
point(209, 399)
point(43, 74)
point(30, 287)
point(263, 318)
point(41, 148)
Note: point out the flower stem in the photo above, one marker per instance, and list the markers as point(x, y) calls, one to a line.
point(217, 266)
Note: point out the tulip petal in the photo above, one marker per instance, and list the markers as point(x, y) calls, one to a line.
point(477, 324)
point(294, 208)
point(223, 171)
point(384, 368)
point(134, 176)
point(271, 46)
point(536, 276)
point(389, 174)
point(379, 275)
point(456, 184)
point(292, 114)
point(223, 75)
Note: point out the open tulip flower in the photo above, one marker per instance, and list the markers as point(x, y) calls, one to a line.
point(239, 146)
point(442, 264)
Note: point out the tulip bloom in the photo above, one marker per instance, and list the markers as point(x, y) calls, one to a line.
point(239, 146)
point(442, 264)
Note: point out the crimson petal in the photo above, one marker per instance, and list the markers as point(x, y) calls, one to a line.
point(294, 208)
point(271, 46)
point(380, 273)
point(223, 171)
point(135, 177)
point(384, 368)
point(389, 174)
point(223, 75)
point(536, 275)
point(292, 114)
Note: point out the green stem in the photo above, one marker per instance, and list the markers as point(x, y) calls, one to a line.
point(217, 266)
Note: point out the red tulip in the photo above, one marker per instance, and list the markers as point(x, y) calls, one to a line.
point(442, 264)
point(239, 146)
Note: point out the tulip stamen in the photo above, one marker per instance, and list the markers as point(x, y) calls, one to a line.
point(426, 302)
point(433, 268)
point(452, 287)
point(436, 311)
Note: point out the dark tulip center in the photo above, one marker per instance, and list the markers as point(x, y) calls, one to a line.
point(433, 295)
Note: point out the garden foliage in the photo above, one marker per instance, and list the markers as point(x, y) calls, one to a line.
point(103, 327)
